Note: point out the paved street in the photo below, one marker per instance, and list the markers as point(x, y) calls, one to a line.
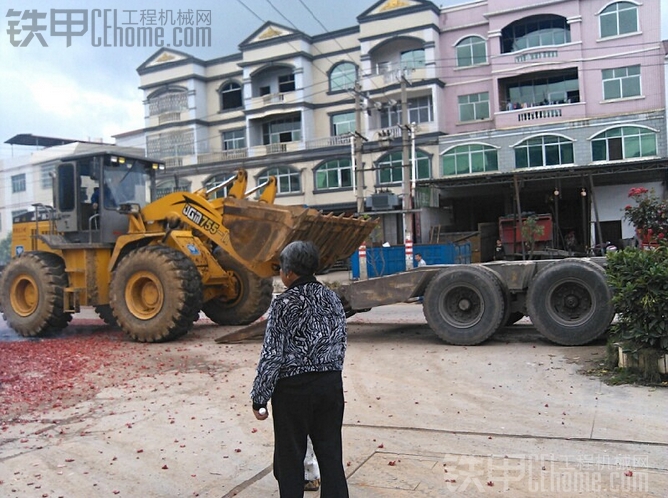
point(510, 417)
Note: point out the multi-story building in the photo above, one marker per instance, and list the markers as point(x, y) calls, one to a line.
point(553, 106)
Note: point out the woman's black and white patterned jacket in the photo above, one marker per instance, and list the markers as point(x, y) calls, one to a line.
point(306, 332)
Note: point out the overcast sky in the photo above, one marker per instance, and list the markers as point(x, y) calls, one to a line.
point(88, 92)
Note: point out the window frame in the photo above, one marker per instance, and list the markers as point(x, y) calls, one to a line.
point(458, 155)
point(563, 145)
point(334, 126)
point(19, 183)
point(391, 116)
point(391, 158)
point(288, 173)
point(476, 106)
point(614, 10)
point(216, 179)
point(295, 131)
point(225, 89)
point(225, 141)
point(620, 81)
point(408, 59)
point(287, 83)
point(345, 76)
point(336, 166)
point(544, 24)
point(622, 135)
point(468, 43)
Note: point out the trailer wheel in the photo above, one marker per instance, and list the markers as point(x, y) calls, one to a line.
point(252, 295)
point(31, 294)
point(105, 312)
point(570, 303)
point(465, 305)
point(156, 294)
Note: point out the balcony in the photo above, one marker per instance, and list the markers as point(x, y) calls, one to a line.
point(538, 115)
point(538, 57)
point(273, 149)
point(387, 74)
point(273, 98)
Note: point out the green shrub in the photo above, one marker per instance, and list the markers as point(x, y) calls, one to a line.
point(639, 279)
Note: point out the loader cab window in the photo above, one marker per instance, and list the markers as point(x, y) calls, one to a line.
point(66, 187)
point(124, 182)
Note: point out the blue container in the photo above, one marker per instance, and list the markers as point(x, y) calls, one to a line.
point(389, 260)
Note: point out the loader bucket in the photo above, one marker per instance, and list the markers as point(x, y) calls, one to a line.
point(260, 231)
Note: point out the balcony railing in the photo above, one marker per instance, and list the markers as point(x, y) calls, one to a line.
point(272, 149)
point(273, 98)
point(169, 117)
point(537, 114)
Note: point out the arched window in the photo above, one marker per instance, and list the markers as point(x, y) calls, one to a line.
point(230, 96)
point(217, 180)
point(535, 31)
point(287, 179)
point(625, 142)
point(548, 150)
point(172, 185)
point(618, 19)
point(471, 51)
point(336, 173)
point(465, 159)
point(342, 77)
point(390, 167)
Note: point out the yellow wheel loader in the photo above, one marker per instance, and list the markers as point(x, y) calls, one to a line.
point(150, 266)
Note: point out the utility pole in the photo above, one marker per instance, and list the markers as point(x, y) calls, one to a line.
point(406, 177)
point(358, 171)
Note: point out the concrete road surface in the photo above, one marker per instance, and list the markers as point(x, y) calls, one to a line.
point(512, 417)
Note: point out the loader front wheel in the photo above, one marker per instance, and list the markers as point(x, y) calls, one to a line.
point(31, 294)
point(251, 296)
point(105, 312)
point(156, 294)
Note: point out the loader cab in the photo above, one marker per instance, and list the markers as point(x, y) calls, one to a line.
point(92, 190)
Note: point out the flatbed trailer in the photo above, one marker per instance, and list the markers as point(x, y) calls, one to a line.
point(568, 300)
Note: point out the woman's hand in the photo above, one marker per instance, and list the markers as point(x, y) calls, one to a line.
point(261, 414)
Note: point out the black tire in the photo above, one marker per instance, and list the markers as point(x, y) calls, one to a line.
point(105, 312)
point(514, 317)
point(570, 303)
point(253, 295)
point(31, 294)
point(465, 305)
point(156, 294)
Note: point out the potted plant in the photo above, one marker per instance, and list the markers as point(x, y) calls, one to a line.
point(639, 278)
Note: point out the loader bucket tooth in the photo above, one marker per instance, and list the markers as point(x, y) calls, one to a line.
point(260, 231)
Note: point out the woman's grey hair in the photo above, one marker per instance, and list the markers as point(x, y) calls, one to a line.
point(300, 257)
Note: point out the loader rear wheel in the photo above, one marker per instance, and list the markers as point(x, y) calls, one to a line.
point(465, 305)
point(31, 294)
point(252, 297)
point(570, 303)
point(156, 294)
point(105, 312)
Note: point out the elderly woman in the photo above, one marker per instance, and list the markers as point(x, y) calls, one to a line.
point(300, 372)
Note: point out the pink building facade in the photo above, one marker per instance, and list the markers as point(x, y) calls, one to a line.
point(561, 102)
